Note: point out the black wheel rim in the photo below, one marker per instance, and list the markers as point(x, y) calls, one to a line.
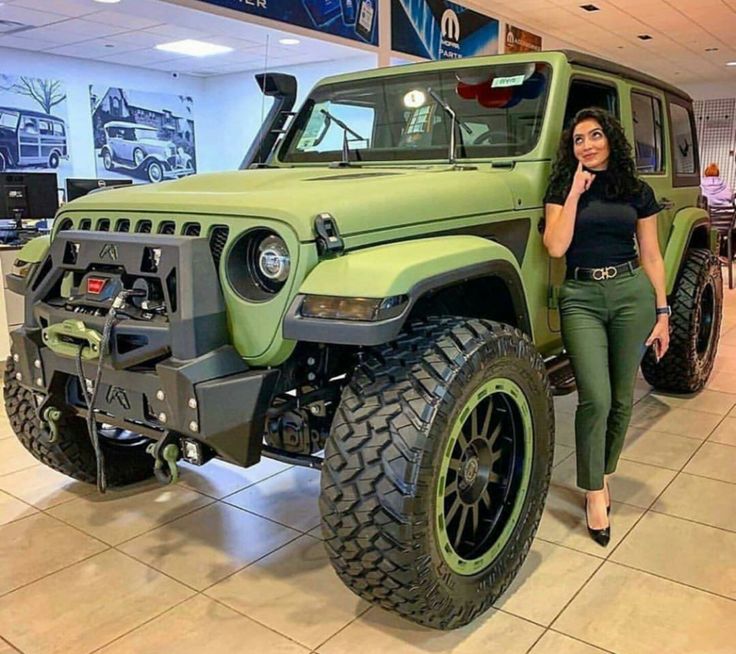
point(484, 476)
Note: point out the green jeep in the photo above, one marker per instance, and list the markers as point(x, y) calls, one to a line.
point(373, 287)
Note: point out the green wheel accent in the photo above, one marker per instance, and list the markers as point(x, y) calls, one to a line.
point(484, 476)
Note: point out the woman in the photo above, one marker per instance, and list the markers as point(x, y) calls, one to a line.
point(714, 188)
point(612, 304)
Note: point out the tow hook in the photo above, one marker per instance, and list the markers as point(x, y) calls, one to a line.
point(51, 416)
point(165, 454)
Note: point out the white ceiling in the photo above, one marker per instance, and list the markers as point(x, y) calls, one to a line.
point(126, 33)
point(681, 31)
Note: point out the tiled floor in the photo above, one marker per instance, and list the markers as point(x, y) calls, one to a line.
point(230, 560)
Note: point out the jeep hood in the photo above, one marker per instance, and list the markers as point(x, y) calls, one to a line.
point(360, 199)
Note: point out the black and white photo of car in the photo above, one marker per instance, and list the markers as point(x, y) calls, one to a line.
point(142, 135)
point(30, 139)
point(141, 149)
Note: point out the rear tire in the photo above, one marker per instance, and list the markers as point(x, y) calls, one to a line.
point(407, 463)
point(72, 453)
point(697, 308)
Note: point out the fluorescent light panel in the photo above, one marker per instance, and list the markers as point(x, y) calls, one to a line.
point(194, 48)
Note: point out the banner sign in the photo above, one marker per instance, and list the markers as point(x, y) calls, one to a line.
point(519, 40)
point(351, 19)
point(438, 29)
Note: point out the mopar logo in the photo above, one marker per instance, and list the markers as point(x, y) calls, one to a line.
point(450, 25)
point(118, 394)
point(109, 251)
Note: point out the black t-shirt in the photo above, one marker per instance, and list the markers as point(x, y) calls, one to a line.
point(605, 229)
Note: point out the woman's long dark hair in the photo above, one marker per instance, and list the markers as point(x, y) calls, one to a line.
point(621, 182)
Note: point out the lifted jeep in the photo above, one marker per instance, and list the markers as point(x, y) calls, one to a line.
point(374, 287)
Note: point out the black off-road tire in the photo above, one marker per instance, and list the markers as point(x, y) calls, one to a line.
point(72, 453)
point(379, 476)
point(695, 324)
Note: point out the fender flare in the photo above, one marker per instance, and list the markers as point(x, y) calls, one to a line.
point(686, 223)
point(400, 270)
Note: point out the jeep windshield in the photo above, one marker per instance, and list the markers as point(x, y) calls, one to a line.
point(499, 109)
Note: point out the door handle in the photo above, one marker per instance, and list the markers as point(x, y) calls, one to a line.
point(667, 203)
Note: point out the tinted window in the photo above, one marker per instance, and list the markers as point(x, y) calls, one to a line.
point(647, 111)
point(683, 141)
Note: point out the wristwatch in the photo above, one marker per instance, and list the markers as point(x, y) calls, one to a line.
point(664, 311)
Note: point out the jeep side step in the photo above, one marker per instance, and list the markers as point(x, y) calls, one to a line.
point(561, 375)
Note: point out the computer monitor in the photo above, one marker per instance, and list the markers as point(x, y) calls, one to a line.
point(28, 196)
point(76, 188)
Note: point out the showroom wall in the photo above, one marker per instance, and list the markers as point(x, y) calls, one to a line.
point(227, 108)
point(232, 106)
point(77, 75)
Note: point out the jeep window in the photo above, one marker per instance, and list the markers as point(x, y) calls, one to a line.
point(501, 107)
point(683, 140)
point(59, 129)
point(586, 93)
point(9, 119)
point(45, 127)
point(648, 132)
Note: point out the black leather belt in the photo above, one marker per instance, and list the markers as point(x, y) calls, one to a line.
point(601, 274)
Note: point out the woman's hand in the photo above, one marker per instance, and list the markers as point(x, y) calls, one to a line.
point(660, 337)
point(582, 180)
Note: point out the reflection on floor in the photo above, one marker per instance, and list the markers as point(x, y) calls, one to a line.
point(230, 560)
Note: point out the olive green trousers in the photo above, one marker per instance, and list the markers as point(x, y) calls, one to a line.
point(604, 327)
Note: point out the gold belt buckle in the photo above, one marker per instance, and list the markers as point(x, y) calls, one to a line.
point(599, 274)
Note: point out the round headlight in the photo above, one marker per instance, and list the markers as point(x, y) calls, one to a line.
point(273, 259)
point(258, 264)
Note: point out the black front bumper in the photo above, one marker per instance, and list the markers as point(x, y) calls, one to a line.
point(214, 398)
point(185, 378)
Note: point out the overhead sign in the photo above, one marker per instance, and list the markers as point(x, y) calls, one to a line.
point(438, 29)
point(351, 19)
point(519, 40)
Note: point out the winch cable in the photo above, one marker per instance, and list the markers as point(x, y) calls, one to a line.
point(90, 399)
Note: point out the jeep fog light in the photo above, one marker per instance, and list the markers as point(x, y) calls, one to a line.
point(352, 308)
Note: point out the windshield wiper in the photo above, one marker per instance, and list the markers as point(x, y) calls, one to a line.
point(345, 140)
point(454, 121)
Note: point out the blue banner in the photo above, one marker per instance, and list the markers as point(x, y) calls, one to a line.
point(438, 29)
point(351, 19)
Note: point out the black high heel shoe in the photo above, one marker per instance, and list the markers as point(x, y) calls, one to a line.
point(600, 536)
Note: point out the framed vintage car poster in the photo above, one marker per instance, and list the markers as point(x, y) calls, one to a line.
point(147, 137)
point(34, 125)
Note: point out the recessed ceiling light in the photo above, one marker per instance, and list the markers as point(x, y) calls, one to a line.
point(194, 48)
point(589, 8)
point(645, 37)
point(289, 41)
point(108, 2)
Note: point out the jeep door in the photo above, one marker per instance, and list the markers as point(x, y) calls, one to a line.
point(646, 130)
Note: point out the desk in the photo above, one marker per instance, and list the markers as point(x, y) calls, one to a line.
point(11, 304)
